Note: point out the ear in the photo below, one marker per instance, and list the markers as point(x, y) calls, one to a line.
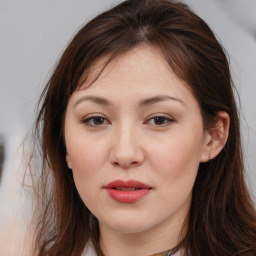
point(68, 162)
point(216, 138)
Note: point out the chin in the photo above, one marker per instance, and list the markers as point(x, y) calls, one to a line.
point(128, 225)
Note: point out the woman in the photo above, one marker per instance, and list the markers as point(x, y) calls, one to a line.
point(140, 141)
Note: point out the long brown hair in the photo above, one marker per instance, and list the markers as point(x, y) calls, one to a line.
point(222, 219)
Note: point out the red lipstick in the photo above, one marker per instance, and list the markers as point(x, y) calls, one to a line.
point(127, 191)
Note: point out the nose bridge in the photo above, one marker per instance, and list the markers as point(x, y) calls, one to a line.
point(126, 147)
point(126, 138)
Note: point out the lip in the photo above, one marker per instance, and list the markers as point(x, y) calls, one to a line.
point(127, 196)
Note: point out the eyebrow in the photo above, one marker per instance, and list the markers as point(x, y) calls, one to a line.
point(159, 98)
point(142, 103)
point(95, 99)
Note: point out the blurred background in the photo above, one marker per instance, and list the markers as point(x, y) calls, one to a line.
point(34, 33)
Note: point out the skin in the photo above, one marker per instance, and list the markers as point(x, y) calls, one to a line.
point(128, 142)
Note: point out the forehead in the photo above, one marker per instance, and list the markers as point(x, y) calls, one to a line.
point(142, 72)
point(141, 60)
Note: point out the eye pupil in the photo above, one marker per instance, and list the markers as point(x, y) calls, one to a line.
point(98, 120)
point(159, 120)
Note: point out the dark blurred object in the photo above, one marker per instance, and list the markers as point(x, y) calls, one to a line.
point(1, 156)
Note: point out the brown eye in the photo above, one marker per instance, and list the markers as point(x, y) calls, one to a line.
point(98, 120)
point(95, 121)
point(160, 120)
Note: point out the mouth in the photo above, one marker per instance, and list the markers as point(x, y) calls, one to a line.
point(129, 184)
point(127, 191)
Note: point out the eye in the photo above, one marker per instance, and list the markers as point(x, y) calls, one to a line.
point(95, 121)
point(160, 120)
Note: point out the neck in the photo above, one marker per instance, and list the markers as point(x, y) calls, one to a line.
point(161, 238)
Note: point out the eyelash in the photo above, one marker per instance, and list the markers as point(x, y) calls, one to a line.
point(94, 118)
point(166, 120)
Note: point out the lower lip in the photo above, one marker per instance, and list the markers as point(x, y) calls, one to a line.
point(127, 196)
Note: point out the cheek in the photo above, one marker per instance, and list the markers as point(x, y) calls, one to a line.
point(88, 155)
point(86, 160)
point(85, 166)
point(176, 160)
point(86, 152)
point(175, 167)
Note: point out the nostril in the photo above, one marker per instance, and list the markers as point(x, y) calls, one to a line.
point(116, 164)
point(126, 165)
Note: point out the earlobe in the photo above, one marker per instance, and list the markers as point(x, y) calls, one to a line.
point(68, 162)
point(217, 137)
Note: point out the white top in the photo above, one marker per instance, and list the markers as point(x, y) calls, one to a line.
point(89, 251)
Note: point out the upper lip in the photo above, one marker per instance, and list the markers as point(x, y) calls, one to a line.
point(127, 184)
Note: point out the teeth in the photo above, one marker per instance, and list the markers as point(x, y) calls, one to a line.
point(126, 189)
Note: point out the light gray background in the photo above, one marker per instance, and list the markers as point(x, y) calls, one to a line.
point(33, 34)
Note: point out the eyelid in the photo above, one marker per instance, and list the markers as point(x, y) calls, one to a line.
point(85, 120)
point(167, 117)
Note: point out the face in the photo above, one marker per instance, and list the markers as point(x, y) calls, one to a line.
point(135, 139)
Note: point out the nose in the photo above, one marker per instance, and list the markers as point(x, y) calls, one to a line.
point(126, 151)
